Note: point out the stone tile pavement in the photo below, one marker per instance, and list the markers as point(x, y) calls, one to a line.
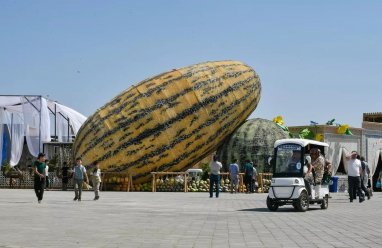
point(145, 219)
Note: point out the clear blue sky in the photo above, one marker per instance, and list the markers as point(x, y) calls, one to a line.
point(317, 60)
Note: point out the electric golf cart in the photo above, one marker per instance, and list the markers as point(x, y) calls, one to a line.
point(290, 163)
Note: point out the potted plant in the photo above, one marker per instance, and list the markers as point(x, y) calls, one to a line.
point(53, 163)
point(6, 167)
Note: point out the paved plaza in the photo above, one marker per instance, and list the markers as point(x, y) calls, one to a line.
point(145, 219)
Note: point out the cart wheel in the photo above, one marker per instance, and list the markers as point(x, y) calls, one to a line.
point(272, 204)
point(325, 202)
point(303, 202)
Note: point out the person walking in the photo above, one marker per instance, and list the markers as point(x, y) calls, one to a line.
point(96, 179)
point(215, 167)
point(254, 178)
point(354, 179)
point(234, 175)
point(79, 177)
point(364, 176)
point(248, 173)
point(65, 176)
point(380, 180)
point(46, 172)
point(39, 176)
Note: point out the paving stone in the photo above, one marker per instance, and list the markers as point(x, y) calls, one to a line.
point(145, 219)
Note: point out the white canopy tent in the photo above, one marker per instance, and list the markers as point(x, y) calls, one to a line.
point(373, 152)
point(339, 148)
point(31, 116)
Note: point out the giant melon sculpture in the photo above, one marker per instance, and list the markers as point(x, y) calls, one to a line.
point(171, 121)
point(254, 140)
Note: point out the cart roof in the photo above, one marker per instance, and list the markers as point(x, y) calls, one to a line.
point(301, 142)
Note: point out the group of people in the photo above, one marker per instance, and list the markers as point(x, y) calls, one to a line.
point(358, 177)
point(358, 174)
point(315, 168)
point(250, 176)
point(79, 174)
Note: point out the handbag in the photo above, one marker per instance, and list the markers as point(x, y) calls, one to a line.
point(326, 178)
point(378, 184)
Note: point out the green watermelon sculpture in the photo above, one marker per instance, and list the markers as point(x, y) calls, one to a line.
point(253, 140)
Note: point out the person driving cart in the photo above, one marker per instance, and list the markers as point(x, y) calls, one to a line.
point(294, 163)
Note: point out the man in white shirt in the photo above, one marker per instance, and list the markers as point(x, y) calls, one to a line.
point(354, 177)
point(215, 167)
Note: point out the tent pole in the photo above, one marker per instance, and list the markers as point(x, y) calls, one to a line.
point(32, 103)
point(11, 128)
point(39, 130)
point(55, 121)
point(68, 128)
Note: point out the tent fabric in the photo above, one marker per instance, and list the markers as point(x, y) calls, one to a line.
point(5, 146)
point(75, 119)
point(374, 160)
point(29, 117)
point(338, 149)
point(14, 121)
point(17, 142)
point(36, 127)
point(373, 152)
point(334, 155)
point(9, 100)
point(62, 129)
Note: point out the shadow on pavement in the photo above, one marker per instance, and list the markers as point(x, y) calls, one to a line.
point(285, 210)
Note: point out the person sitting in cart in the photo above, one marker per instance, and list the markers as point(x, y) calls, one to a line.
point(318, 163)
point(294, 164)
point(308, 177)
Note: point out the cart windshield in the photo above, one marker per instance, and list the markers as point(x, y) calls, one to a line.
point(289, 161)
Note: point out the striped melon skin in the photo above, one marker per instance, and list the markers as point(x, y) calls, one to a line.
point(170, 121)
point(254, 140)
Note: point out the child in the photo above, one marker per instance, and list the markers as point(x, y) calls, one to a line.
point(96, 176)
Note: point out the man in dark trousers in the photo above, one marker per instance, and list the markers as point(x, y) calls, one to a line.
point(354, 177)
point(364, 176)
point(39, 176)
point(248, 173)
